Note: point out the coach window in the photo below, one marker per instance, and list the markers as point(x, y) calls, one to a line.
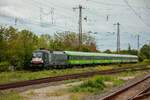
point(69, 57)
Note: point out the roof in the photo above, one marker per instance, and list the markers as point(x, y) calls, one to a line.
point(73, 53)
point(41, 51)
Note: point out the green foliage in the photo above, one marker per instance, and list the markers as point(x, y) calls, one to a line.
point(16, 47)
point(92, 85)
point(107, 51)
point(97, 84)
point(146, 61)
point(26, 44)
point(144, 52)
point(4, 66)
point(69, 41)
point(117, 82)
point(130, 51)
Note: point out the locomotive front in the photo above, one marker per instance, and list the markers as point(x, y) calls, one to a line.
point(37, 59)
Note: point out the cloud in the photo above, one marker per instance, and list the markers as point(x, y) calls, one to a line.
point(28, 12)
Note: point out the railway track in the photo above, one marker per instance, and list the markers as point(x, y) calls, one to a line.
point(67, 77)
point(139, 90)
point(141, 95)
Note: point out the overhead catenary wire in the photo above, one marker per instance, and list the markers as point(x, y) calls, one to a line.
point(48, 6)
point(38, 5)
point(114, 4)
point(122, 5)
point(136, 13)
point(68, 15)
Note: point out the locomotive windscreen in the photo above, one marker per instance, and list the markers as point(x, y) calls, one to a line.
point(37, 55)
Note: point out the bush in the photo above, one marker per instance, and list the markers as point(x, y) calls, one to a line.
point(92, 85)
point(4, 66)
point(146, 61)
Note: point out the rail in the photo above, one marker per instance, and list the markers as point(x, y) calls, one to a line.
point(137, 96)
point(65, 77)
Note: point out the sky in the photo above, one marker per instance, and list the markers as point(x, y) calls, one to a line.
point(50, 16)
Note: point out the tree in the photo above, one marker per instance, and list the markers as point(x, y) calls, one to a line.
point(144, 52)
point(11, 36)
point(129, 48)
point(7, 37)
point(69, 41)
point(2, 43)
point(107, 51)
point(44, 41)
point(16, 46)
point(27, 43)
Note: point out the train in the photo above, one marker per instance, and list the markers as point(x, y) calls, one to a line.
point(47, 59)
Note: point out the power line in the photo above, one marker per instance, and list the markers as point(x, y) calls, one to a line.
point(28, 21)
point(128, 5)
point(114, 4)
point(49, 6)
point(136, 13)
point(51, 12)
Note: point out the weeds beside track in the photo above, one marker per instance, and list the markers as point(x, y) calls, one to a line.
point(71, 76)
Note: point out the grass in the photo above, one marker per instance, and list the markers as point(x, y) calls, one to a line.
point(97, 84)
point(92, 85)
point(146, 61)
point(26, 75)
point(12, 95)
point(7, 77)
point(100, 84)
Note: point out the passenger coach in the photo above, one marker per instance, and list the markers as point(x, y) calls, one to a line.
point(45, 58)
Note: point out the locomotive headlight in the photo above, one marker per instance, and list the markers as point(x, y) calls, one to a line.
point(37, 60)
point(41, 61)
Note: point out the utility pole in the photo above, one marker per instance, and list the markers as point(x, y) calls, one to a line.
point(41, 16)
point(138, 42)
point(52, 15)
point(118, 37)
point(80, 23)
point(148, 42)
point(16, 20)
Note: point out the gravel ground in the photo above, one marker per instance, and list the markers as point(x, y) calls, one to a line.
point(133, 91)
point(128, 79)
point(49, 93)
point(56, 91)
point(129, 93)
